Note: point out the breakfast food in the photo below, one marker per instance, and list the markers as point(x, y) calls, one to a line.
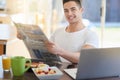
point(44, 69)
point(35, 64)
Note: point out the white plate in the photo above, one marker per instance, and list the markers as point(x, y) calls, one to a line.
point(55, 76)
point(71, 72)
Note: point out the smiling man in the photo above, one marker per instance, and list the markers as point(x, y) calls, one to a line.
point(68, 41)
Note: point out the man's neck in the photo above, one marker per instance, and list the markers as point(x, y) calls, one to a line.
point(73, 27)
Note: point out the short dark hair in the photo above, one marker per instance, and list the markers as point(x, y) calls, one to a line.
point(77, 1)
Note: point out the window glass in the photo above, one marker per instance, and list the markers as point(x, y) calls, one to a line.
point(2, 4)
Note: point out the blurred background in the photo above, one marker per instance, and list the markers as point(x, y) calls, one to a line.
point(103, 16)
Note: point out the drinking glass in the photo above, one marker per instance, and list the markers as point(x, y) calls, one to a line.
point(6, 62)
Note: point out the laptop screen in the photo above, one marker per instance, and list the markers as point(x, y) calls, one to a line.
point(99, 63)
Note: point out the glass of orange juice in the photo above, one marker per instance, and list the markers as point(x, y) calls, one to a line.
point(6, 61)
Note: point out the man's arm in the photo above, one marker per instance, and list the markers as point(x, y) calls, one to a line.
point(72, 57)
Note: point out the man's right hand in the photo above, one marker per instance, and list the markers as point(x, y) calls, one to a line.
point(20, 36)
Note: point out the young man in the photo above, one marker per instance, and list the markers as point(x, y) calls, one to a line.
point(68, 41)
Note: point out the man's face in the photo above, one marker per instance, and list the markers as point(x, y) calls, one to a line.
point(73, 12)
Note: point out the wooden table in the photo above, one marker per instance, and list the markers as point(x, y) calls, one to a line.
point(29, 75)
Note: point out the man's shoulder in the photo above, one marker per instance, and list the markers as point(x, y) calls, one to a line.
point(89, 30)
point(60, 29)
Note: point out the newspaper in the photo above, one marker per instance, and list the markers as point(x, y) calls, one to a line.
point(31, 31)
point(34, 39)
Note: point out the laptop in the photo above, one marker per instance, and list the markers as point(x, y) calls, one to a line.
point(33, 38)
point(97, 63)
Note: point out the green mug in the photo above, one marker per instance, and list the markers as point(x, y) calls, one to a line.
point(18, 65)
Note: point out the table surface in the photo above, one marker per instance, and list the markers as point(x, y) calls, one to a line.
point(29, 75)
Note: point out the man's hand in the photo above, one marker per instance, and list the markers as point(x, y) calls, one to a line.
point(20, 36)
point(52, 47)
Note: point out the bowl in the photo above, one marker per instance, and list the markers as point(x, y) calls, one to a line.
point(54, 73)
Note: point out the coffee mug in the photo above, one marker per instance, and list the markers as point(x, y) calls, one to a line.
point(18, 65)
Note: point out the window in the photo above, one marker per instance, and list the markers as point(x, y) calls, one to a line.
point(2, 4)
point(111, 29)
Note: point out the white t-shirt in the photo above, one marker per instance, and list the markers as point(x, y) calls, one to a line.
point(74, 41)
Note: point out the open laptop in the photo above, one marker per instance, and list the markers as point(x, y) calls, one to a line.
point(97, 63)
point(34, 38)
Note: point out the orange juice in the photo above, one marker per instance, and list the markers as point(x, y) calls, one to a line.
point(6, 63)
